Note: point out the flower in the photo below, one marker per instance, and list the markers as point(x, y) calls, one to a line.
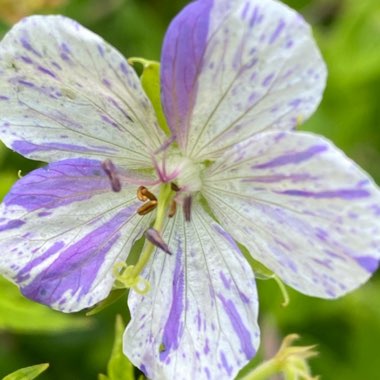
point(236, 78)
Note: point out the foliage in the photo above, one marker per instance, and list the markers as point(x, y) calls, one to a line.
point(19, 315)
point(27, 373)
point(119, 367)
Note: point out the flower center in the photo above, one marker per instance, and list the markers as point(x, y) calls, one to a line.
point(181, 171)
point(180, 180)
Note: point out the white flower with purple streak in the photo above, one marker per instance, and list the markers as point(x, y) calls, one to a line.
point(236, 77)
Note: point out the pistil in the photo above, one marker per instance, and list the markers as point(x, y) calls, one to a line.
point(129, 276)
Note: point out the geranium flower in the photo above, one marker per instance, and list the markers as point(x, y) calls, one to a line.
point(237, 77)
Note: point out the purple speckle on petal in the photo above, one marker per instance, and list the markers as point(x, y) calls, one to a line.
point(44, 70)
point(225, 364)
point(226, 282)
point(292, 158)
point(199, 320)
point(244, 298)
point(106, 82)
point(26, 59)
point(11, 225)
point(173, 329)
point(206, 348)
point(280, 27)
point(268, 80)
point(241, 330)
point(245, 10)
point(101, 50)
point(44, 213)
point(124, 69)
point(26, 83)
point(254, 17)
point(227, 237)
point(109, 121)
point(347, 194)
point(27, 45)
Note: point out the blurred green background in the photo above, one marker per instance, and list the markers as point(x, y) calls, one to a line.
point(347, 331)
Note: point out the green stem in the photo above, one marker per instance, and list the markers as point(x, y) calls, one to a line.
point(162, 205)
point(264, 371)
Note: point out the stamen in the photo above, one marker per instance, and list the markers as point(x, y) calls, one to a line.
point(172, 209)
point(143, 194)
point(174, 187)
point(110, 169)
point(187, 207)
point(147, 207)
point(156, 239)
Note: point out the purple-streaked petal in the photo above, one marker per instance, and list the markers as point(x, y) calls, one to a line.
point(182, 56)
point(66, 93)
point(302, 208)
point(200, 318)
point(233, 68)
point(62, 229)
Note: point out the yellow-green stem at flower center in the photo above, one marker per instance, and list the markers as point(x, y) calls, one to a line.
point(129, 276)
point(162, 207)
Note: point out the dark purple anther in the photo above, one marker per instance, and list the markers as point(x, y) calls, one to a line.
point(156, 239)
point(110, 169)
point(187, 208)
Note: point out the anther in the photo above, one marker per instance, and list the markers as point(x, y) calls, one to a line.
point(110, 169)
point(143, 194)
point(156, 239)
point(187, 208)
point(174, 187)
point(147, 207)
point(172, 209)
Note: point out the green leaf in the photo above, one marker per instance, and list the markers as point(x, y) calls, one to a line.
point(18, 314)
point(150, 80)
point(119, 367)
point(27, 373)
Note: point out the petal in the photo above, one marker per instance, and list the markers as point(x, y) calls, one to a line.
point(62, 230)
point(66, 93)
point(232, 68)
point(302, 208)
point(199, 321)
